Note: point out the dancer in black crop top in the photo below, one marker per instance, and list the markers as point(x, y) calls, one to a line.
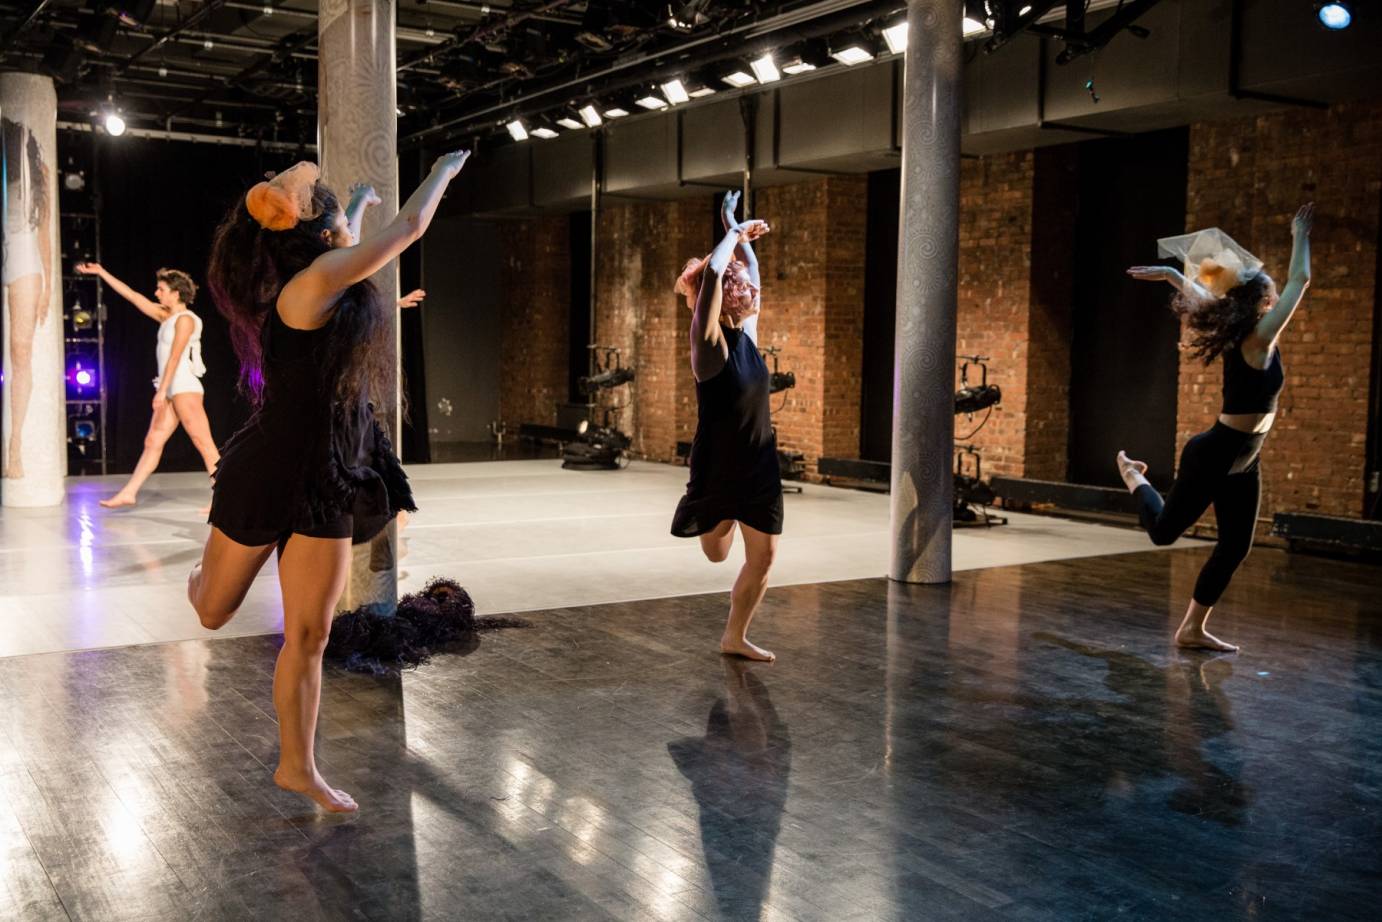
point(312, 470)
point(1220, 466)
point(735, 477)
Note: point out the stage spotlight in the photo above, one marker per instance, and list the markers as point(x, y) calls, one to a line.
point(82, 319)
point(517, 131)
point(73, 181)
point(590, 116)
point(675, 91)
point(896, 37)
point(81, 378)
point(115, 125)
point(739, 79)
point(797, 66)
point(851, 54)
point(765, 69)
point(701, 92)
point(544, 133)
point(973, 27)
point(1335, 16)
point(616, 112)
point(84, 430)
point(567, 121)
point(652, 102)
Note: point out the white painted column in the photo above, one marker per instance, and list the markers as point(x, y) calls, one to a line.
point(33, 434)
point(357, 137)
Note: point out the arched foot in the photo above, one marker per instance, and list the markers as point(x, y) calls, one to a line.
point(311, 786)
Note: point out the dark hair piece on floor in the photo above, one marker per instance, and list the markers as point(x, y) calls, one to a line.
point(440, 616)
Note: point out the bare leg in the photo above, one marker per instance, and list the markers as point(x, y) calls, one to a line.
point(23, 297)
point(161, 429)
point(1192, 634)
point(759, 551)
point(217, 585)
point(312, 572)
point(192, 415)
point(715, 544)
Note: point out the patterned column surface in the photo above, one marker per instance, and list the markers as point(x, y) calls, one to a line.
point(928, 259)
point(357, 136)
point(33, 435)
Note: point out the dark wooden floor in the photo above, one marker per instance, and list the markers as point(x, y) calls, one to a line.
point(1020, 745)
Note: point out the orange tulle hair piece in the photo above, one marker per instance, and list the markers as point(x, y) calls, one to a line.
point(281, 201)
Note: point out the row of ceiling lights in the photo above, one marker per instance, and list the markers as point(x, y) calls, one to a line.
point(760, 70)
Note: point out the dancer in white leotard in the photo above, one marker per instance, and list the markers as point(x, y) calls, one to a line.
point(178, 388)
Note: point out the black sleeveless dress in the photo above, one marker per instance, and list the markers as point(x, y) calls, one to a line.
point(305, 463)
point(734, 467)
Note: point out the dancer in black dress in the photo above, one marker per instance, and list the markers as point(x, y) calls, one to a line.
point(735, 477)
point(1234, 310)
point(311, 471)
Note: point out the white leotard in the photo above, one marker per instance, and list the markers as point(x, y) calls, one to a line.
point(189, 368)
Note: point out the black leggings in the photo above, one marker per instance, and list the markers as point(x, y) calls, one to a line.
point(1220, 467)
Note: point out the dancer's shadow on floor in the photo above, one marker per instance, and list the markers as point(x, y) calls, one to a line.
point(738, 773)
point(1159, 724)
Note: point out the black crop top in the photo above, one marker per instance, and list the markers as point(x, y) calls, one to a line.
point(1248, 389)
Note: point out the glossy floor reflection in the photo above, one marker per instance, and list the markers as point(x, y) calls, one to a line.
point(520, 535)
point(1022, 744)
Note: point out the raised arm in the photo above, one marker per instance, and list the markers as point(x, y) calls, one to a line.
point(362, 196)
point(182, 335)
point(707, 343)
point(745, 249)
point(313, 292)
point(150, 307)
point(1173, 278)
point(1275, 320)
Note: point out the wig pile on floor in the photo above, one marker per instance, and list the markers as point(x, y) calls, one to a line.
point(424, 624)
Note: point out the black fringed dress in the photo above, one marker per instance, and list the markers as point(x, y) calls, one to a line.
point(734, 467)
point(306, 463)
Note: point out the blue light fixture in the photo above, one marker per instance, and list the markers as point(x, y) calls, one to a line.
point(1335, 16)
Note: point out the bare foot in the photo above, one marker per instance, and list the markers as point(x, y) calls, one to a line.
point(1131, 470)
point(746, 650)
point(312, 786)
point(1199, 639)
point(118, 501)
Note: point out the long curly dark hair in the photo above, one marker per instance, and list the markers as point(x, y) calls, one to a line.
point(1224, 323)
point(249, 267)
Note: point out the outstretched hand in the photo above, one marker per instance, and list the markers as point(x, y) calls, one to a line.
point(1304, 221)
point(451, 163)
point(730, 205)
point(88, 268)
point(1152, 273)
point(412, 298)
point(364, 192)
point(752, 230)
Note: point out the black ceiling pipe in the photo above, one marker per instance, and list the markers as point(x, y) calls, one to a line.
point(625, 74)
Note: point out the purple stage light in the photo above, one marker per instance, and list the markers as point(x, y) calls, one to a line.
point(84, 377)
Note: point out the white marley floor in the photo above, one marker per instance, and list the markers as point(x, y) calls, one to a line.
point(519, 535)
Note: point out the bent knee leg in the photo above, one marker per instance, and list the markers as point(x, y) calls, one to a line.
point(308, 637)
point(213, 617)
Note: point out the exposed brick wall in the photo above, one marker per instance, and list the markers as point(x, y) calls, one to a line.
point(1248, 176)
point(812, 266)
point(994, 297)
point(537, 285)
point(640, 252)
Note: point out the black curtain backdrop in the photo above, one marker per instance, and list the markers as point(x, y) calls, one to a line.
point(160, 202)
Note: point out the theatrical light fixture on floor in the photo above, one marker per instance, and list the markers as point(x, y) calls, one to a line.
point(791, 465)
point(972, 495)
point(602, 447)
